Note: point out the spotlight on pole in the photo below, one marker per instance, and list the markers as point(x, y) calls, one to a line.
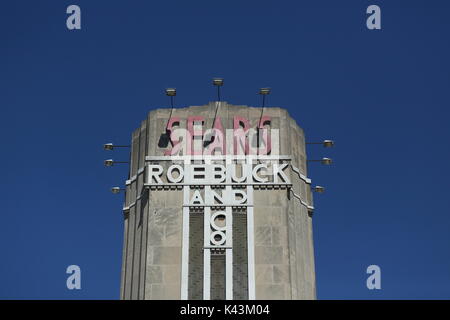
point(325, 143)
point(325, 161)
point(218, 82)
point(171, 92)
point(319, 189)
point(116, 190)
point(111, 162)
point(110, 146)
point(328, 143)
point(264, 91)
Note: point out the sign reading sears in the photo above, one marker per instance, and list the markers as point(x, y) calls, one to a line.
point(220, 164)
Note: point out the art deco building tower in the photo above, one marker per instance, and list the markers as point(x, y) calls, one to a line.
point(223, 227)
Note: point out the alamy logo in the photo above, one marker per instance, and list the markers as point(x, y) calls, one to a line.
point(73, 21)
point(74, 280)
point(374, 20)
point(374, 280)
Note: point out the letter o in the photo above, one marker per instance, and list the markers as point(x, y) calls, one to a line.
point(171, 178)
point(213, 223)
point(218, 234)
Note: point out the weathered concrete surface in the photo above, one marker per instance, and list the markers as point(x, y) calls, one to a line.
point(283, 243)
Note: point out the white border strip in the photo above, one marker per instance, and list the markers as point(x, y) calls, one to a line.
point(250, 246)
point(229, 255)
point(206, 254)
point(185, 249)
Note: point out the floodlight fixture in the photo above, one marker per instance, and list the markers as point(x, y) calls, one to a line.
point(325, 143)
point(325, 161)
point(328, 143)
point(218, 82)
point(171, 92)
point(111, 162)
point(319, 189)
point(110, 146)
point(264, 91)
point(116, 190)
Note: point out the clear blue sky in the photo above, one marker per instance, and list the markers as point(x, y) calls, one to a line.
point(383, 96)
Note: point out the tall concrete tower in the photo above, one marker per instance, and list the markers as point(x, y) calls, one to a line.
point(234, 223)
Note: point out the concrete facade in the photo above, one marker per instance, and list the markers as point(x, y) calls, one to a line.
point(283, 262)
